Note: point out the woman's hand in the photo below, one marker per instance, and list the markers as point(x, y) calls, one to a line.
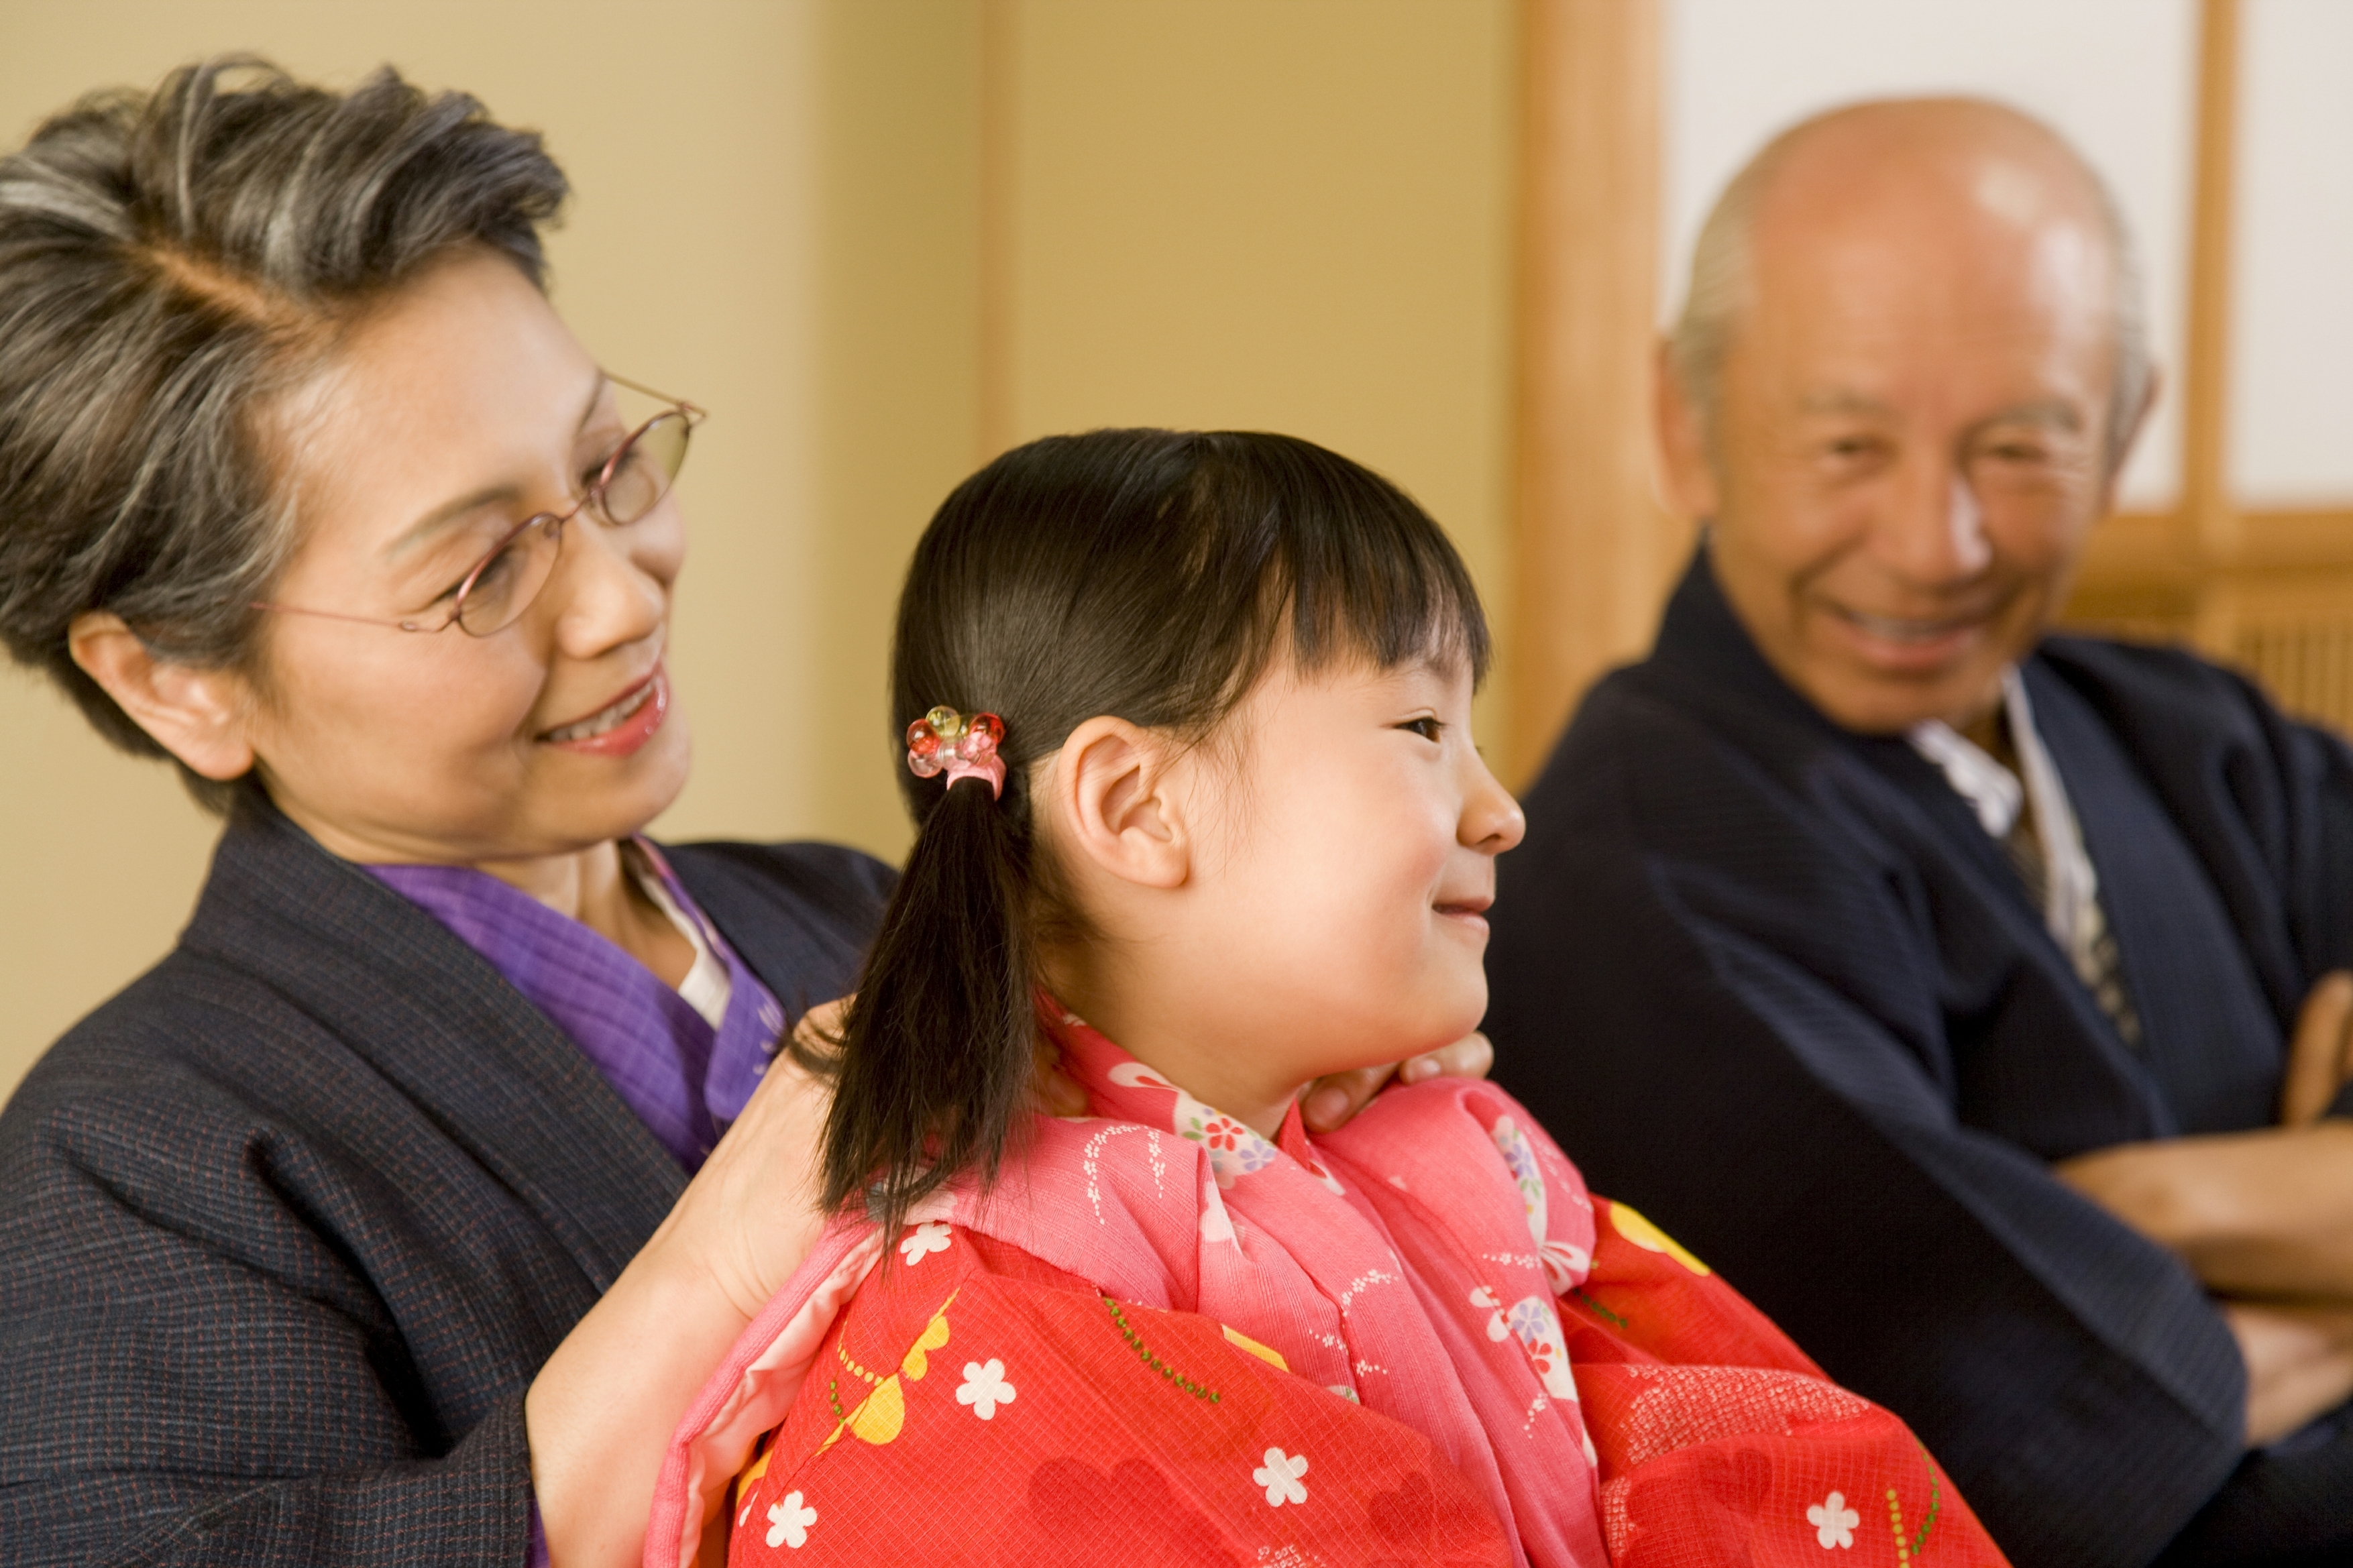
point(1331, 1102)
point(601, 1413)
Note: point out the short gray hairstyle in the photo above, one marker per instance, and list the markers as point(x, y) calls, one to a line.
point(170, 262)
point(1719, 291)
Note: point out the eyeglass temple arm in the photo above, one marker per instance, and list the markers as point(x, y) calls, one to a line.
point(693, 411)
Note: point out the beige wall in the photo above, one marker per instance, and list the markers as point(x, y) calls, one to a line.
point(1287, 215)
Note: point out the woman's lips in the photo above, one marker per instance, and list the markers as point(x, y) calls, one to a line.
point(621, 727)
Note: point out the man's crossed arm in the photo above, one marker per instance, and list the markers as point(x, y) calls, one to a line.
point(2265, 1219)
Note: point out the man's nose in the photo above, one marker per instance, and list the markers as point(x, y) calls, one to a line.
point(1932, 535)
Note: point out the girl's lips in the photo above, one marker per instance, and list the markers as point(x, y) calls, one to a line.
point(1473, 916)
point(636, 726)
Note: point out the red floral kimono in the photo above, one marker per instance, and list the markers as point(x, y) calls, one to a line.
point(1162, 1339)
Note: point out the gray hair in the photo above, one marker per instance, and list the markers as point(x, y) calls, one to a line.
point(170, 263)
point(1719, 292)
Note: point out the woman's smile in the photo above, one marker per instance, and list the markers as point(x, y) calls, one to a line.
point(622, 726)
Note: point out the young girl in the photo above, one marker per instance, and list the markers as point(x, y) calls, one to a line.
point(1188, 722)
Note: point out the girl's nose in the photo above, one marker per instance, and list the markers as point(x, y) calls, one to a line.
point(1491, 820)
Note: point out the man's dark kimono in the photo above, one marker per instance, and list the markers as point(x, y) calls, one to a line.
point(1772, 983)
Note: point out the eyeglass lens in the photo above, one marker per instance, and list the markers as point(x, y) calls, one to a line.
point(635, 482)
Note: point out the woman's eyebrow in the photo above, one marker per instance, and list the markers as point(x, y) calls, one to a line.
point(441, 516)
point(449, 512)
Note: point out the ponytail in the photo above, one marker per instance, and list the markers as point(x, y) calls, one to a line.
point(938, 1050)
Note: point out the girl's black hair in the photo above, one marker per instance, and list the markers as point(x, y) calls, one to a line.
point(1148, 574)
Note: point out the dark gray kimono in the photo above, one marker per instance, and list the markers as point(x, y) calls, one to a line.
point(1772, 983)
point(287, 1226)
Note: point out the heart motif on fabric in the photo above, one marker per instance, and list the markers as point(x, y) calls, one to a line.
point(1407, 1514)
point(935, 1334)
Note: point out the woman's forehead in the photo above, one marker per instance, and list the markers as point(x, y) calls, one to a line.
point(464, 391)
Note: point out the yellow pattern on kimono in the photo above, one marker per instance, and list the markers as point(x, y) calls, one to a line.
point(881, 1416)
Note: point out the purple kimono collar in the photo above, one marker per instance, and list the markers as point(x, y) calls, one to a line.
point(685, 1079)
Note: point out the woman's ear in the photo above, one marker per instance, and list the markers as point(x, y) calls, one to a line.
point(197, 715)
point(1112, 792)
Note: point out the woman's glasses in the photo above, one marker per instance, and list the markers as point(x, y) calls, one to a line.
point(503, 583)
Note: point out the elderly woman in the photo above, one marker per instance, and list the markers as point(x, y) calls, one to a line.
point(397, 1214)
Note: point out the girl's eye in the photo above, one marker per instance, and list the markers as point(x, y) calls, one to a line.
point(1427, 728)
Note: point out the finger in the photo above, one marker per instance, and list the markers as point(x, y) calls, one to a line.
point(1472, 1055)
point(2315, 1059)
point(1062, 1094)
point(1331, 1101)
point(819, 1029)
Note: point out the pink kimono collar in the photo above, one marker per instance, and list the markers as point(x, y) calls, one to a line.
point(1409, 1262)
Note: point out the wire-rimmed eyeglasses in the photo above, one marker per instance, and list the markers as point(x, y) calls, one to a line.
point(502, 586)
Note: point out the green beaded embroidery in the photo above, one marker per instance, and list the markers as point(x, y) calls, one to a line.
point(1143, 1354)
point(1598, 1307)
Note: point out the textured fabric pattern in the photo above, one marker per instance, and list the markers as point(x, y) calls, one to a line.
point(287, 1226)
point(1776, 984)
point(685, 1079)
point(1437, 1263)
point(977, 1406)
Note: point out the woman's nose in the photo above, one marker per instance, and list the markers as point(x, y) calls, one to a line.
point(612, 585)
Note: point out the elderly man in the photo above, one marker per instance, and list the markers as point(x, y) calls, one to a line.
point(1967, 995)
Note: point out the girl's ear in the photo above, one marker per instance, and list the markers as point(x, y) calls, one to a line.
point(1112, 791)
point(197, 715)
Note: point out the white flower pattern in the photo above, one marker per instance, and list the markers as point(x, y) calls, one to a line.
point(789, 1521)
point(1279, 1476)
point(929, 1237)
point(985, 1388)
point(1833, 1522)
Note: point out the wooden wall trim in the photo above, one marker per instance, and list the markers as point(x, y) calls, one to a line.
point(1593, 554)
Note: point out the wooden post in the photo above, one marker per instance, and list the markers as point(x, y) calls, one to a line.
point(1593, 554)
point(2210, 518)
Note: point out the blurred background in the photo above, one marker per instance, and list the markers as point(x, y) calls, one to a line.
point(883, 240)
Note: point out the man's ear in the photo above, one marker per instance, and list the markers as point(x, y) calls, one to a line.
point(1685, 471)
point(1111, 793)
point(2130, 438)
point(197, 715)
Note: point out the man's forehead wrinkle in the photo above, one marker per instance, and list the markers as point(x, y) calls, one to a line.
point(1843, 400)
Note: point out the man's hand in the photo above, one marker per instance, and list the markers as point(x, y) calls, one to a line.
point(2257, 1214)
point(2319, 1059)
point(2300, 1364)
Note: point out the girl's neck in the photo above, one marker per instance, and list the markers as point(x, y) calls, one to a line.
point(1223, 1072)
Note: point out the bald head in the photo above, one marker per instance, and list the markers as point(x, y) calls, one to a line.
point(1950, 181)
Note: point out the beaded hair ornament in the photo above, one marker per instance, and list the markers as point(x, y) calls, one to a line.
point(945, 741)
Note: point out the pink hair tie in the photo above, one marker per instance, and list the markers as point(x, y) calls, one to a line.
point(945, 741)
